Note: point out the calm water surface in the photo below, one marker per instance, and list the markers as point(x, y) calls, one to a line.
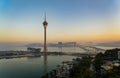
point(33, 67)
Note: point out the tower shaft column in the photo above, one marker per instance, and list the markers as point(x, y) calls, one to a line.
point(45, 45)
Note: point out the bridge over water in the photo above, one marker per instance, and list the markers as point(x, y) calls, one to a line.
point(91, 49)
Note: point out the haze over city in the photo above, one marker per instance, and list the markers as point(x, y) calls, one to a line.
point(69, 20)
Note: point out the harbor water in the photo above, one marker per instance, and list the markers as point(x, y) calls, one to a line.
point(33, 67)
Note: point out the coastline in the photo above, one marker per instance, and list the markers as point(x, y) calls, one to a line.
point(20, 54)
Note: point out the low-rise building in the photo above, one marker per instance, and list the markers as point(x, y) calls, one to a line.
point(33, 50)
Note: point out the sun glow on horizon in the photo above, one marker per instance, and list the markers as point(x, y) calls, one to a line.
point(21, 21)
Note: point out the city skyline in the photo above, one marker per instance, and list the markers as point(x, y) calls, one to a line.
point(69, 20)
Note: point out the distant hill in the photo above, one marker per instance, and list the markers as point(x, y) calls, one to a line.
point(40, 45)
point(110, 44)
point(34, 45)
point(67, 44)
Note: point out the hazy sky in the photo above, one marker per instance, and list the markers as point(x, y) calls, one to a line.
point(68, 20)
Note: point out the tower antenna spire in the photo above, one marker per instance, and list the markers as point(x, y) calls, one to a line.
point(45, 16)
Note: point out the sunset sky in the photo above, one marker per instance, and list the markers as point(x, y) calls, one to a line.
point(68, 20)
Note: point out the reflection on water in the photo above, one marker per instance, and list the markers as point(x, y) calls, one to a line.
point(45, 64)
point(33, 67)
